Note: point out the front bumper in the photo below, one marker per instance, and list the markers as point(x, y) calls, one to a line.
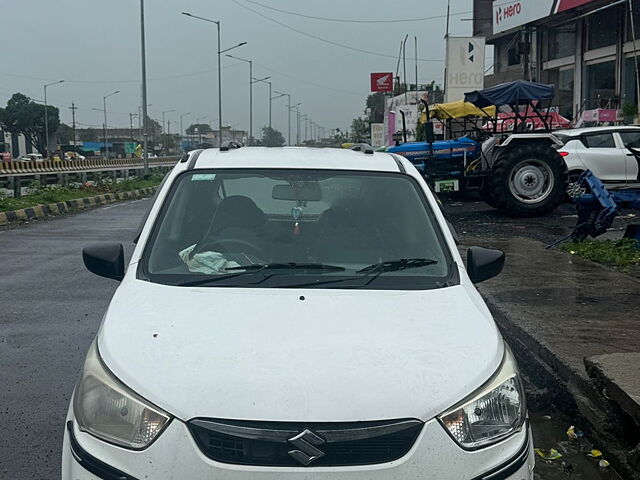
point(175, 455)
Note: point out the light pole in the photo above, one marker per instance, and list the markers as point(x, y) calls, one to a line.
point(297, 107)
point(181, 127)
point(280, 95)
point(289, 116)
point(143, 55)
point(266, 80)
point(46, 116)
point(104, 104)
point(250, 62)
point(164, 135)
point(217, 22)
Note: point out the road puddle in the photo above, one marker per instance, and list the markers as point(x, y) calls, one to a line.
point(550, 431)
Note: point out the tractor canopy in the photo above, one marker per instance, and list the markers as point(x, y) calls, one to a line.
point(459, 109)
point(511, 93)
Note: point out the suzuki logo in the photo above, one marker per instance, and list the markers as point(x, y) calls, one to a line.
point(305, 443)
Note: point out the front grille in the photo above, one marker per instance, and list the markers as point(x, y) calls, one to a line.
point(321, 444)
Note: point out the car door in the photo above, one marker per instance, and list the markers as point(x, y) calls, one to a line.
point(603, 156)
point(630, 139)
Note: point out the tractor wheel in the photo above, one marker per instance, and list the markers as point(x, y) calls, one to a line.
point(529, 180)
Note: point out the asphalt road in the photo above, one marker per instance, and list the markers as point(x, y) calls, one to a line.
point(50, 310)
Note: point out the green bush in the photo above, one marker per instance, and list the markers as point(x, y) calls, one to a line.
point(623, 253)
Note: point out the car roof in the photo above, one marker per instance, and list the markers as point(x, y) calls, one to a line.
point(579, 131)
point(297, 157)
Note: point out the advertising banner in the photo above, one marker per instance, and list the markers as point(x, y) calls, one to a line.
point(382, 82)
point(377, 135)
point(509, 14)
point(464, 66)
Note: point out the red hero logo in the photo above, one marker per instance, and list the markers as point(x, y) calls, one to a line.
point(508, 12)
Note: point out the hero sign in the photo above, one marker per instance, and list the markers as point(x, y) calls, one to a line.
point(382, 82)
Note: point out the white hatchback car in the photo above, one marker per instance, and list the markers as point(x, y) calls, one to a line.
point(296, 313)
point(604, 151)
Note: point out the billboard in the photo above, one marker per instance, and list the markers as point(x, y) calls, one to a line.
point(508, 14)
point(382, 82)
point(377, 135)
point(464, 66)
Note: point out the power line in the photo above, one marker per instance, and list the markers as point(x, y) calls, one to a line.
point(344, 20)
point(324, 40)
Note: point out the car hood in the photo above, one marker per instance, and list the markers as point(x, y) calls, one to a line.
point(299, 355)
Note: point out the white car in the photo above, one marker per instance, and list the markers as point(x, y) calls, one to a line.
point(604, 151)
point(295, 313)
point(32, 157)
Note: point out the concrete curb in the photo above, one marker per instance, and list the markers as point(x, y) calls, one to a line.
point(39, 212)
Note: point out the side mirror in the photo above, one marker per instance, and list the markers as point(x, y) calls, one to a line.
point(484, 263)
point(105, 260)
point(635, 151)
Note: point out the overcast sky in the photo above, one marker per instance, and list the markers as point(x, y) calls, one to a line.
point(94, 45)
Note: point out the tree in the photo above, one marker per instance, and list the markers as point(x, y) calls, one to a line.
point(359, 131)
point(64, 134)
point(376, 103)
point(199, 129)
point(23, 116)
point(272, 137)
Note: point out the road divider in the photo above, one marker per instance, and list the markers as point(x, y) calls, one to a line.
point(88, 165)
point(39, 212)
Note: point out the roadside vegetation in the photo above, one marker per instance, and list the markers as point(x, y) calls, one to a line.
point(42, 194)
point(622, 255)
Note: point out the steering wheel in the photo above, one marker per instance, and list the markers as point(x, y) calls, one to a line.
point(232, 245)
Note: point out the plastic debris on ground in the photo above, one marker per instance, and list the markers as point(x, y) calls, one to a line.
point(553, 454)
point(573, 433)
point(603, 463)
point(594, 453)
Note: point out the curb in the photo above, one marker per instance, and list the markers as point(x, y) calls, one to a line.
point(38, 212)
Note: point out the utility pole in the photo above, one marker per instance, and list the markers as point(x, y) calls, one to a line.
point(404, 67)
point(131, 124)
point(73, 109)
point(104, 105)
point(46, 115)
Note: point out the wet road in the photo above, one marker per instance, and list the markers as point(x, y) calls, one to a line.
point(50, 310)
point(51, 307)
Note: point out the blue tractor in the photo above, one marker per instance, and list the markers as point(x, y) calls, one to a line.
point(518, 171)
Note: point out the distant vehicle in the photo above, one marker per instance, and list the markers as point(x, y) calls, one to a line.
point(70, 156)
point(604, 151)
point(32, 157)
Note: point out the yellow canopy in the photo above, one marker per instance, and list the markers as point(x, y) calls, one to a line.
point(459, 109)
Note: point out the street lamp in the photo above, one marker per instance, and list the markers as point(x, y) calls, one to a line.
point(297, 109)
point(217, 22)
point(266, 80)
point(143, 61)
point(46, 115)
point(181, 127)
point(164, 135)
point(281, 94)
point(104, 105)
point(250, 62)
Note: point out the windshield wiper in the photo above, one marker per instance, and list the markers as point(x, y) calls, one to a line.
point(288, 266)
point(397, 265)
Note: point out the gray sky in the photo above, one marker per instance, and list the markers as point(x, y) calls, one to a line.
point(95, 46)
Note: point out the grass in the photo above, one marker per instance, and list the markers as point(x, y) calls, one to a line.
point(620, 254)
point(42, 194)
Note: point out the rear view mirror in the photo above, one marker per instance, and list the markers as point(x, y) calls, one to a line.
point(105, 260)
point(306, 192)
point(484, 263)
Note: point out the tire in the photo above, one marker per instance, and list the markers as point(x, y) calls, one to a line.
point(528, 180)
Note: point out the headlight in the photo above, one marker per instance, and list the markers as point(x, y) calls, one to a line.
point(107, 409)
point(492, 413)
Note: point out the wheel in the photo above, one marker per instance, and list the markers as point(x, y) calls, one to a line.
point(528, 180)
point(573, 189)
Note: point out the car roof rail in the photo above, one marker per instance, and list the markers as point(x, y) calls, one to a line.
point(363, 147)
point(230, 145)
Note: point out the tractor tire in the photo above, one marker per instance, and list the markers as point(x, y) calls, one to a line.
point(528, 180)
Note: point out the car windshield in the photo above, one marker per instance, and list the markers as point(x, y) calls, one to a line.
point(286, 228)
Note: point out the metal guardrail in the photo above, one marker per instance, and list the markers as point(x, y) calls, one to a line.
point(8, 169)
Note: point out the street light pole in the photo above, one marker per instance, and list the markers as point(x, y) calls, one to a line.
point(164, 135)
point(46, 116)
point(288, 110)
point(297, 106)
point(104, 104)
point(181, 127)
point(220, 52)
point(250, 62)
point(145, 133)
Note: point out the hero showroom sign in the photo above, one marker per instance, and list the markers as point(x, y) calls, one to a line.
point(509, 14)
point(382, 82)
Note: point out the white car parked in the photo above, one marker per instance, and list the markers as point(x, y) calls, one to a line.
point(296, 313)
point(604, 151)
